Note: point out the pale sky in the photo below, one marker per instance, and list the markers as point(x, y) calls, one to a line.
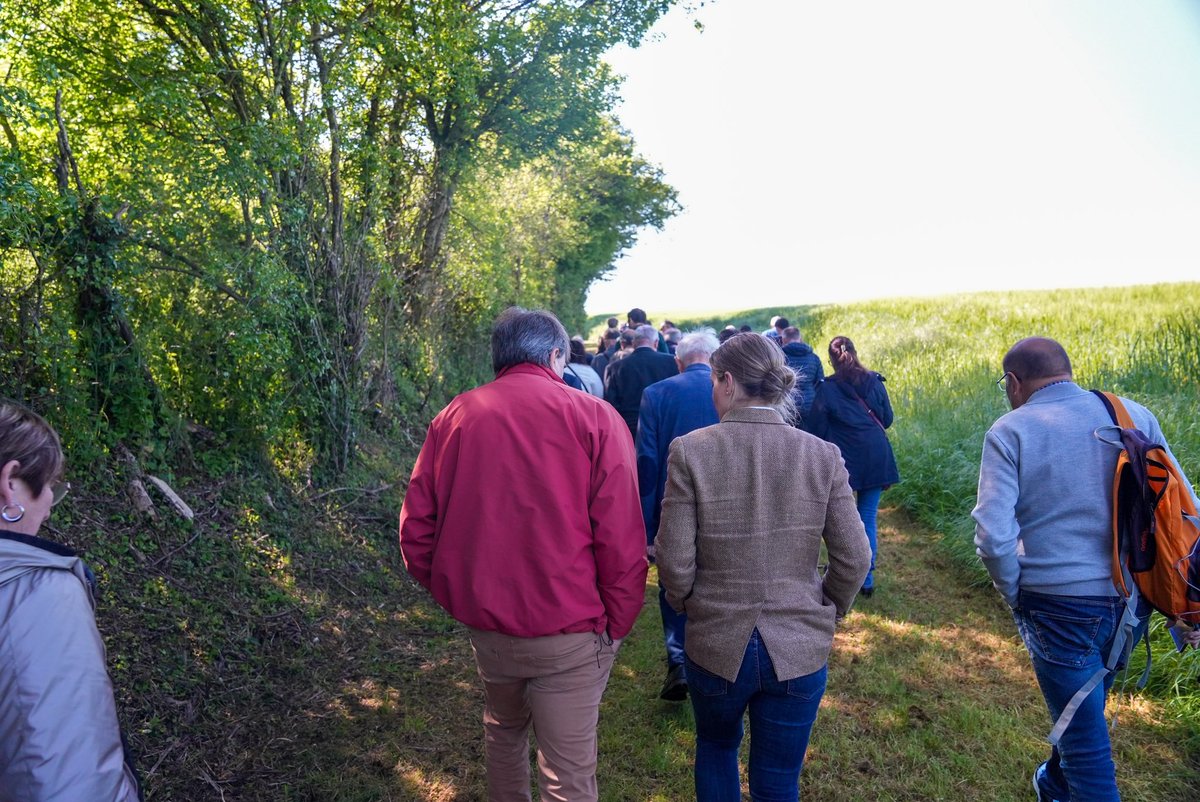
point(833, 151)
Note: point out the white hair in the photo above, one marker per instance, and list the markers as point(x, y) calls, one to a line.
point(645, 334)
point(697, 343)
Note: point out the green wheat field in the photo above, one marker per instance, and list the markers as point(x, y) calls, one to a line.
point(931, 695)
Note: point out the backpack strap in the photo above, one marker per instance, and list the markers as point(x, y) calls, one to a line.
point(1124, 639)
point(1127, 633)
point(1116, 409)
point(1122, 579)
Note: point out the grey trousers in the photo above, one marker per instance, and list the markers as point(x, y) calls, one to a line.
point(553, 683)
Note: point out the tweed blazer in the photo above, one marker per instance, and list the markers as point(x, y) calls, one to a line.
point(747, 505)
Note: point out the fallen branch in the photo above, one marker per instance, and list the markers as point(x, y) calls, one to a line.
point(366, 491)
point(176, 502)
point(136, 489)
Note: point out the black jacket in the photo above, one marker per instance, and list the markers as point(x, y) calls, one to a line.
point(629, 376)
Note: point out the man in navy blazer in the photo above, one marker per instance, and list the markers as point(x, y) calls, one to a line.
point(671, 408)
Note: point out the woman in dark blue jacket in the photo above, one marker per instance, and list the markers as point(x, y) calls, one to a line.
point(851, 410)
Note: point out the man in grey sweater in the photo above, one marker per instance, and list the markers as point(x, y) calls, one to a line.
point(1043, 528)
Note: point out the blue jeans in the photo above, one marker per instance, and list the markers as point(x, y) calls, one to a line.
point(781, 719)
point(673, 629)
point(867, 501)
point(1068, 639)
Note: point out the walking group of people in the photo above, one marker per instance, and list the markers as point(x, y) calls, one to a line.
point(532, 514)
point(739, 462)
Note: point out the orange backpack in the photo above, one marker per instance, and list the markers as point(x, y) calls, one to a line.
point(1156, 533)
point(1156, 547)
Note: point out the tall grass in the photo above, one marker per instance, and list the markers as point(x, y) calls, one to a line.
point(941, 357)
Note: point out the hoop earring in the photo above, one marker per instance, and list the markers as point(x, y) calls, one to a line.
point(12, 519)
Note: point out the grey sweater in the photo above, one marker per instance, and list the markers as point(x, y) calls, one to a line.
point(1043, 521)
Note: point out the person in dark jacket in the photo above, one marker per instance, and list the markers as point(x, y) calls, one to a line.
point(629, 376)
point(851, 409)
point(808, 368)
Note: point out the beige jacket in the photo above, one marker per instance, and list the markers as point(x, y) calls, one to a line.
point(747, 504)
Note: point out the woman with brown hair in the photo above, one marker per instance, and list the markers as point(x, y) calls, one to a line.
point(851, 409)
point(747, 505)
point(59, 737)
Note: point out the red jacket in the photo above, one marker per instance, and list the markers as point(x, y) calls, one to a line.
point(522, 515)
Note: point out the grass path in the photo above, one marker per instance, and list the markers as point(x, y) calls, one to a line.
point(930, 697)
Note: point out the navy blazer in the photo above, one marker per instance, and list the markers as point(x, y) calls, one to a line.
point(839, 417)
point(630, 375)
point(670, 408)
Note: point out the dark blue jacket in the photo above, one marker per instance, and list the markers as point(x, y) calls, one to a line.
point(670, 408)
point(839, 417)
point(809, 372)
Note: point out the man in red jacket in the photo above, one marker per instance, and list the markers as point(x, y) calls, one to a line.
point(522, 518)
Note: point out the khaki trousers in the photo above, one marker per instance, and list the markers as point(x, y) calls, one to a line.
point(553, 683)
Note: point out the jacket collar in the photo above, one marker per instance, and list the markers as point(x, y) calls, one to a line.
point(530, 369)
point(38, 543)
point(756, 415)
point(696, 367)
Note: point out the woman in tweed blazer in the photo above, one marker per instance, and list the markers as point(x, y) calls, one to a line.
point(747, 505)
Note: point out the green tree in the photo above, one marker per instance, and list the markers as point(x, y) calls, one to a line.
point(279, 179)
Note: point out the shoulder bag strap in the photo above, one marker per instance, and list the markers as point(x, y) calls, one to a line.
point(852, 392)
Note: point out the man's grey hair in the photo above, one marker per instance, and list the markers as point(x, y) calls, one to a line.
point(526, 335)
point(697, 343)
point(646, 335)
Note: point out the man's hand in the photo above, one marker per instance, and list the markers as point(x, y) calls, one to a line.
point(650, 553)
point(1187, 634)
